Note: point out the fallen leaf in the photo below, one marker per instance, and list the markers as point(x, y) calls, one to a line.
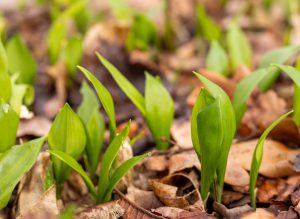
point(290, 214)
point(258, 214)
point(231, 196)
point(236, 212)
point(292, 182)
point(37, 126)
point(269, 189)
point(139, 196)
point(156, 163)
point(181, 133)
point(177, 213)
point(182, 161)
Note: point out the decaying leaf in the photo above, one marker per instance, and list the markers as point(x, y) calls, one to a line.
point(37, 126)
point(32, 200)
point(258, 214)
point(181, 133)
point(156, 163)
point(236, 212)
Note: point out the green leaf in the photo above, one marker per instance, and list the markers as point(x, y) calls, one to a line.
point(257, 158)
point(95, 131)
point(217, 59)
point(56, 35)
point(105, 98)
point(240, 52)
point(9, 122)
point(159, 111)
point(216, 128)
point(292, 72)
point(120, 172)
point(88, 104)
point(21, 93)
point(67, 134)
point(243, 91)
point(14, 163)
point(20, 60)
point(49, 178)
point(278, 56)
point(5, 83)
point(71, 162)
point(142, 34)
point(296, 101)
point(203, 99)
point(73, 9)
point(132, 93)
point(88, 111)
point(206, 26)
point(69, 212)
point(107, 161)
point(73, 54)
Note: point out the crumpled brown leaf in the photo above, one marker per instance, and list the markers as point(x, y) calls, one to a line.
point(177, 213)
point(181, 133)
point(236, 212)
point(173, 190)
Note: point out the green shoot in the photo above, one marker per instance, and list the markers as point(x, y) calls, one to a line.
point(105, 98)
point(88, 111)
point(206, 26)
point(257, 158)
point(67, 134)
point(278, 56)
point(109, 177)
point(157, 107)
point(215, 130)
point(73, 54)
point(239, 48)
point(142, 34)
point(21, 61)
point(217, 59)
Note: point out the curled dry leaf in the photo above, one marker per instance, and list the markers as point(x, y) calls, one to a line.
point(31, 197)
point(292, 183)
point(258, 214)
point(231, 196)
point(177, 190)
point(290, 214)
point(37, 126)
point(236, 212)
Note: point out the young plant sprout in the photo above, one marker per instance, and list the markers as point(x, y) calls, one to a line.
point(94, 124)
point(257, 158)
point(213, 128)
point(109, 176)
point(157, 106)
point(67, 134)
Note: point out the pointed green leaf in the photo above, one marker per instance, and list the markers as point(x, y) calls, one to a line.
point(3, 58)
point(239, 48)
point(5, 85)
point(71, 162)
point(120, 172)
point(20, 60)
point(217, 59)
point(132, 93)
point(224, 121)
point(66, 134)
point(105, 98)
point(278, 56)
point(73, 54)
point(9, 122)
point(243, 91)
point(203, 99)
point(257, 157)
point(14, 163)
point(159, 111)
point(292, 72)
point(107, 161)
point(206, 26)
